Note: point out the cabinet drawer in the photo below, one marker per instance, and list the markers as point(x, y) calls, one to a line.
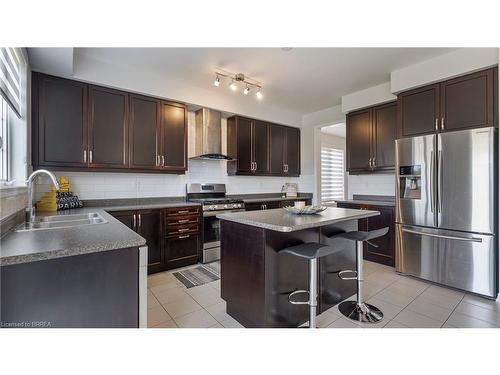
point(183, 220)
point(180, 229)
point(178, 211)
point(182, 246)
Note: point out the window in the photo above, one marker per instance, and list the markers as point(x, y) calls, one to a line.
point(11, 70)
point(332, 174)
point(4, 140)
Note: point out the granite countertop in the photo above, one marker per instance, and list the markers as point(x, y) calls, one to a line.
point(31, 246)
point(282, 221)
point(138, 204)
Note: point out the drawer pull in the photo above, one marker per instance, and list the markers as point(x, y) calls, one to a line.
point(183, 221)
point(183, 212)
point(184, 230)
point(184, 236)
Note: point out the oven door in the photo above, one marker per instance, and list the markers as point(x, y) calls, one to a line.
point(211, 235)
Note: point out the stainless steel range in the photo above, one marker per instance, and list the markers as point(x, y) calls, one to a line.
point(214, 201)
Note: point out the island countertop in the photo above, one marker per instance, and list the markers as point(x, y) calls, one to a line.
point(282, 221)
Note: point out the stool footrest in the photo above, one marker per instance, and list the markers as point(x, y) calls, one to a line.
point(298, 302)
point(348, 278)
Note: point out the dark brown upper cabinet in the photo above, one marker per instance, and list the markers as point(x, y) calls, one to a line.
point(370, 136)
point(465, 102)
point(60, 127)
point(263, 149)
point(144, 132)
point(173, 152)
point(358, 140)
point(77, 126)
point(419, 111)
point(277, 149)
point(469, 101)
point(108, 128)
point(292, 151)
point(383, 135)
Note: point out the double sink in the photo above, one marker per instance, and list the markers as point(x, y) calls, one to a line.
point(62, 221)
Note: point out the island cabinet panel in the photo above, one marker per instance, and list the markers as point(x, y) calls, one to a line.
point(173, 137)
point(60, 126)
point(144, 132)
point(465, 102)
point(256, 278)
point(370, 135)
point(97, 290)
point(108, 128)
point(385, 252)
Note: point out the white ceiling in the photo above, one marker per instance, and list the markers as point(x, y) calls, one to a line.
point(337, 130)
point(302, 80)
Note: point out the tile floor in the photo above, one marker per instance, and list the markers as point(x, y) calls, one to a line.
point(406, 303)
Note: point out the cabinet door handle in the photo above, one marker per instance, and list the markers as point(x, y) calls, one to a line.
point(162, 161)
point(442, 123)
point(184, 236)
point(374, 164)
point(90, 156)
point(370, 162)
point(84, 156)
point(436, 124)
point(255, 166)
point(140, 220)
point(134, 222)
point(157, 160)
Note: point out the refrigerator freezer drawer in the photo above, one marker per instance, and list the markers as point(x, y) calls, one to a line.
point(464, 261)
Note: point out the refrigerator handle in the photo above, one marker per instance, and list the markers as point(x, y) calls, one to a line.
point(432, 182)
point(472, 239)
point(440, 181)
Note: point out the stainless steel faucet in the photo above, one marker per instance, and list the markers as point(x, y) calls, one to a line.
point(30, 210)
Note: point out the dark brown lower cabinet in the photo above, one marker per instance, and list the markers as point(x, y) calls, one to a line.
point(384, 253)
point(269, 205)
point(171, 244)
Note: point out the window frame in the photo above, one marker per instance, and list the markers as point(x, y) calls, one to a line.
point(4, 134)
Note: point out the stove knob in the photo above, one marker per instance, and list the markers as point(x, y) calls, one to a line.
point(211, 208)
point(226, 206)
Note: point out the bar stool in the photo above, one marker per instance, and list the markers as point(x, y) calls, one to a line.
point(359, 310)
point(311, 251)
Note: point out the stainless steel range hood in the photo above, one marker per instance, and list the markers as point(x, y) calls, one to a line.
point(208, 135)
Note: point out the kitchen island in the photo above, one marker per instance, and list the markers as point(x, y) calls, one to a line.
point(256, 279)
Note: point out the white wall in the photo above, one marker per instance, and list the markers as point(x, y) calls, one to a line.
point(442, 67)
point(367, 97)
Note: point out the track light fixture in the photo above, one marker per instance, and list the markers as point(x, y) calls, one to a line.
point(238, 78)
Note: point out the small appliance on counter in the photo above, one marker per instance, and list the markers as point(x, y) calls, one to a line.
point(290, 190)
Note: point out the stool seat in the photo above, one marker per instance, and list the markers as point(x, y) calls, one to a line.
point(310, 250)
point(362, 236)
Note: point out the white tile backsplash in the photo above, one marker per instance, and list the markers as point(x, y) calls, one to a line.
point(371, 184)
point(99, 185)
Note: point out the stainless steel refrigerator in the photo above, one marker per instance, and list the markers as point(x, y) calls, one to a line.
point(446, 209)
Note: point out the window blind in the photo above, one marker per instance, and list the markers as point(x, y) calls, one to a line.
point(332, 174)
point(11, 69)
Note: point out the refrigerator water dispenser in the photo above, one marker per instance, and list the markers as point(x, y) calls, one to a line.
point(410, 182)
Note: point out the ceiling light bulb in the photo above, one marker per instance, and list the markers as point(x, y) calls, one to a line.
point(246, 91)
point(217, 81)
point(258, 94)
point(233, 86)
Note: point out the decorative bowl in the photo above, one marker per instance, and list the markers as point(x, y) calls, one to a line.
point(307, 210)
